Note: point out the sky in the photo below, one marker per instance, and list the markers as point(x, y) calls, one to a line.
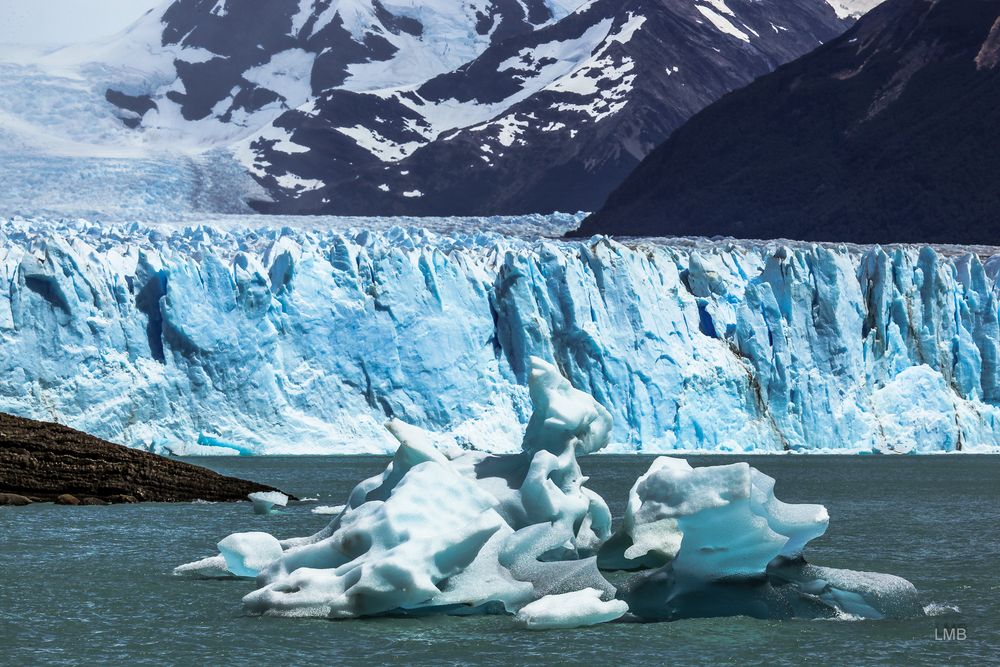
point(61, 22)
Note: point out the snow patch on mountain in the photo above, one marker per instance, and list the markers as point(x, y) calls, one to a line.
point(853, 8)
point(722, 24)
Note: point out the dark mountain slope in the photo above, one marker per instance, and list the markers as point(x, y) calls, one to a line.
point(886, 134)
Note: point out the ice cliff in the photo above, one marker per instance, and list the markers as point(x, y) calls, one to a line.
point(305, 337)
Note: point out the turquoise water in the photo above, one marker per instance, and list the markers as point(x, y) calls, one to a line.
point(92, 585)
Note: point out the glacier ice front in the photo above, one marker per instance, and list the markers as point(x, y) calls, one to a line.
point(462, 532)
point(306, 336)
point(293, 336)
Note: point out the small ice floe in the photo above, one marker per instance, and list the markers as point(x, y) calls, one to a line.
point(264, 501)
point(941, 609)
point(328, 509)
point(570, 610)
point(212, 567)
point(246, 554)
point(240, 555)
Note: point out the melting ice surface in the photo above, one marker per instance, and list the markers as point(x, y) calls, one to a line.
point(462, 532)
point(284, 335)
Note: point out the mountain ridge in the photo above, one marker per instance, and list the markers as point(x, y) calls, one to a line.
point(382, 107)
point(881, 135)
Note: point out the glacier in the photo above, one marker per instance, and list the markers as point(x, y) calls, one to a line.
point(463, 533)
point(229, 334)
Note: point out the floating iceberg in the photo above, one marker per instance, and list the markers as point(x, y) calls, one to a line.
point(715, 541)
point(471, 533)
point(710, 523)
point(265, 501)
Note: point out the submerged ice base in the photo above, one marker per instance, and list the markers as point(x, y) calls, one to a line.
point(261, 337)
point(471, 533)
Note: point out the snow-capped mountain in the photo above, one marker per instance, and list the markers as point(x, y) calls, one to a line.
point(885, 135)
point(442, 107)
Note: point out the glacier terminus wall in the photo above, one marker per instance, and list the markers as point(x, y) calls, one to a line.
point(264, 338)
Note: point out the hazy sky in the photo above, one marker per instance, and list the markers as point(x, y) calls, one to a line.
point(58, 22)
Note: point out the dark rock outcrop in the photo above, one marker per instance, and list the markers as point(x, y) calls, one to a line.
point(45, 461)
point(14, 499)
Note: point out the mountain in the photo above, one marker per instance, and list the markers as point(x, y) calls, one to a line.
point(886, 134)
point(376, 107)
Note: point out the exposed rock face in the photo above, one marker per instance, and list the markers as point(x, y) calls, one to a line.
point(45, 461)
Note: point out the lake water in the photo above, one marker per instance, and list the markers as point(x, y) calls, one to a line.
point(93, 585)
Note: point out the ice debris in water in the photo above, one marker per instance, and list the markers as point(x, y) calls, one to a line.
point(461, 532)
point(328, 509)
point(570, 610)
point(240, 555)
point(264, 501)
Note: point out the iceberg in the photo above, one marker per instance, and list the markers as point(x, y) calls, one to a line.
point(265, 501)
point(459, 532)
point(714, 541)
point(471, 533)
point(215, 335)
point(714, 522)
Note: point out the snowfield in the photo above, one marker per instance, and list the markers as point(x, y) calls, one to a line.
point(305, 335)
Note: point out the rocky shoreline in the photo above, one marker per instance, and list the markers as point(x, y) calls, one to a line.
point(46, 462)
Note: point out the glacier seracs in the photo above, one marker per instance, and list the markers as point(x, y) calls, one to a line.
point(473, 533)
point(303, 336)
